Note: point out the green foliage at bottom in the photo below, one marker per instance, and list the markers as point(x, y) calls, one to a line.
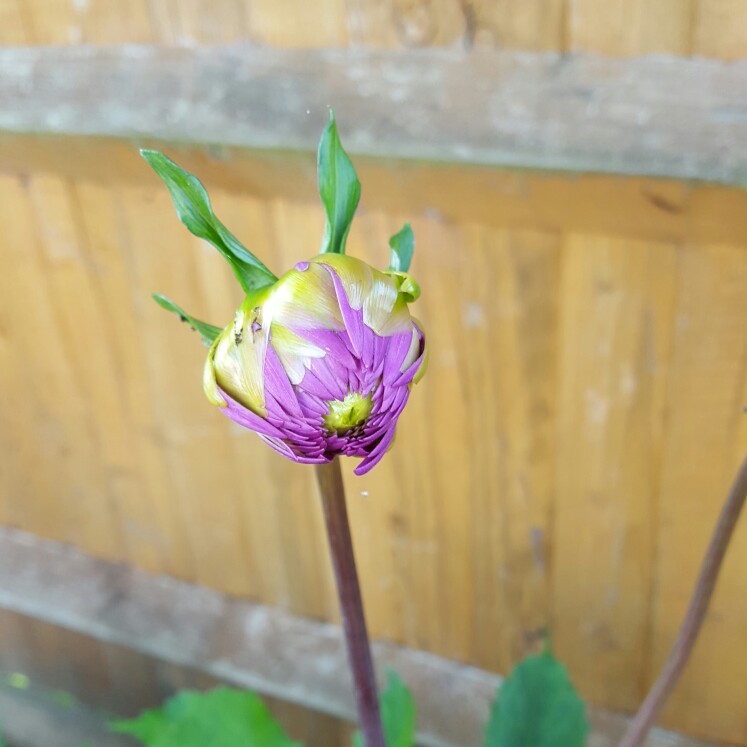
point(397, 714)
point(222, 717)
point(537, 707)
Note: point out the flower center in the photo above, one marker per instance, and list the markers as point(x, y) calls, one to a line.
point(346, 414)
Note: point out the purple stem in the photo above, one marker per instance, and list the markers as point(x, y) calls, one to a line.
point(694, 616)
point(332, 491)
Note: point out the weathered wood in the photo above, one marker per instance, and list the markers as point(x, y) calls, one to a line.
point(248, 644)
point(662, 116)
point(32, 717)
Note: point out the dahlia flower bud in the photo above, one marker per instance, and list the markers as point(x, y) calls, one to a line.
point(321, 363)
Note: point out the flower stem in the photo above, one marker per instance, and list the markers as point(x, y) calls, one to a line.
point(329, 478)
point(694, 616)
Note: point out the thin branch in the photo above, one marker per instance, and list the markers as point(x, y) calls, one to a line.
point(332, 491)
point(694, 616)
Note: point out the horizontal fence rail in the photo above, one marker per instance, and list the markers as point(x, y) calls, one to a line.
point(655, 116)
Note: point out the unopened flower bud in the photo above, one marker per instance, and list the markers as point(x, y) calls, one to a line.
point(321, 363)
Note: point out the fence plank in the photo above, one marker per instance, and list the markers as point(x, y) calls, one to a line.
point(617, 317)
point(713, 28)
point(706, 435)
point(630, 27)
point(720, 29)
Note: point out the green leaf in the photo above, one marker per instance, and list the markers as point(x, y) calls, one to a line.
point(147, 728)
point(339, 188)
point(537, 707)
point(195, 212)
point(2, 741)
point(397, 714)
point(222, 717)
point(403, 246)
point(208, 332)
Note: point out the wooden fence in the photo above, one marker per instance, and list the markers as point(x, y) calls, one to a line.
point(563, 461)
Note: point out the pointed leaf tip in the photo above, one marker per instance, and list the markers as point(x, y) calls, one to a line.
point(403, 247)
point(397, 714)
point(537, 706)
point(339, 188)
point(196, 213)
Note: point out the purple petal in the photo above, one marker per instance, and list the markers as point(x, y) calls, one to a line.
point(409, 374)
point(282, 448)
point(311, 404)
point(352, 319)
point(244, 416)
point(368, 348)
point(315, 386)
point(378, 452)
point(333, 345)
point(332, 380)
point(398, 347)
point(277, 385)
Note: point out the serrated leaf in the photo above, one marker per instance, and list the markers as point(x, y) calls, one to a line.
point(196, 213)
point(208, 332)
point(222, 717)
point(339, 188)
point(537, 707)
point(397, 714)
point(403, 247)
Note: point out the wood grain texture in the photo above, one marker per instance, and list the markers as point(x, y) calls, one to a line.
point(665, 210)
point(584, 402)
point(705, 441)
point(617, 320)
point(713, 28)
point(499, 109)
point(630, 27)
point(296, 23)
point(720, 29)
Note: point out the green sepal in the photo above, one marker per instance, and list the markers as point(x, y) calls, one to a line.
point(208, 332)
point(537, 707)
point(403, 247)
point(339, 188)
point(397, 714)
point(195, 212)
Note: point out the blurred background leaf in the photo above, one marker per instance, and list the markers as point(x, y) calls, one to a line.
point(537, 706)
point(222, 717)
point(397, 713)
point(403, 247)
